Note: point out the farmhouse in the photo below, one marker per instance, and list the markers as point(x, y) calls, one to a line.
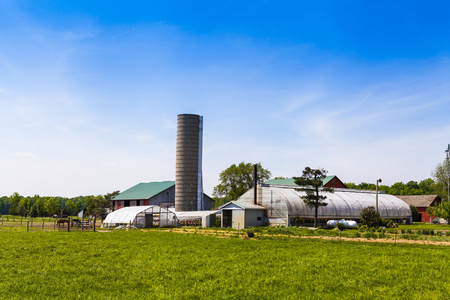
point(422, 202)
point(153, 193)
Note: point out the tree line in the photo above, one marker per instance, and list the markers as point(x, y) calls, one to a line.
point(424, 187)
point(37, 206)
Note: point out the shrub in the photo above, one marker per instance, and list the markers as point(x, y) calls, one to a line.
point(341, 226)
point(370, 217)
point(250, 234)
point(362, 228)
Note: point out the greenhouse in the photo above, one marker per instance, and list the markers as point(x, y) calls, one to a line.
point(283, 205)
point(141, 217)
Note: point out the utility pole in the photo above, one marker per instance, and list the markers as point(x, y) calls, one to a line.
point(448, 176)
point(378, 181)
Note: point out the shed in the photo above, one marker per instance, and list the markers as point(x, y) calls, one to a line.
point(422, 202)
point(241, 214)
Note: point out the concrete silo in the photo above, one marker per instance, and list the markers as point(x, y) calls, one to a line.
point(188, 174)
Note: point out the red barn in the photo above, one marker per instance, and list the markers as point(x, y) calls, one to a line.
point(422, 202)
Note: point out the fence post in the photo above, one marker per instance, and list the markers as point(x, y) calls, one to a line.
point(95, 220)
point(28, 228)
point(54, 224)
point(68, 224)
point(43, 223)
point(31, 222)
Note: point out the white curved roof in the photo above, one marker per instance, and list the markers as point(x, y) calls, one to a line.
point(343, 203)
point(127, 215)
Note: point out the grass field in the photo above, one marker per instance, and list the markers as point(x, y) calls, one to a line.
point(159, 264)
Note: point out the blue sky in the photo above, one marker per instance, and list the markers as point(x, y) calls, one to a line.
point(89, 92)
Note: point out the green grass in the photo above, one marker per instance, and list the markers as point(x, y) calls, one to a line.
point(164, 265)
point(421, 225)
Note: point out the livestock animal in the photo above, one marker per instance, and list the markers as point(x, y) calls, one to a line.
point(61, 221)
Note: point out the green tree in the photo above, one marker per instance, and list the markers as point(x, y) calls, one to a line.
point(51, 206)
point(97, 206)
point(442, 210)
point(237, 179)
point(39, 205)
point(441, 176)
point(4, 205)
point(14, 201)
point(311, 182)
point(26, 206)
point(69, 207)
point(417, 217)
point(110, 196)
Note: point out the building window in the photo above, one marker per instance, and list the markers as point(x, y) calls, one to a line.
point(258, 218)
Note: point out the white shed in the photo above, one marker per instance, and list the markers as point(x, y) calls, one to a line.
point(240, 215)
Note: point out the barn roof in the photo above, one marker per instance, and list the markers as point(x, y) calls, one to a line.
point(420, 200)
point(291, 181)
point(241, 204)
point(144, 190)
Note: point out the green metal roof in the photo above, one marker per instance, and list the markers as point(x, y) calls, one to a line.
point(144, 190)
point(290, 181)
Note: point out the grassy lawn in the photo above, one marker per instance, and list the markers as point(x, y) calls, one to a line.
point(165, 265)
point(422, 225)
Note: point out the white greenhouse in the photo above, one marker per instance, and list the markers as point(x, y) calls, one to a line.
point(283, 205)
point(141, 217)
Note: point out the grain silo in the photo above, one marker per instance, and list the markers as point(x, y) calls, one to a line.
point(188, 174)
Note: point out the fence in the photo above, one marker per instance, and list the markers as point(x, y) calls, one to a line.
point(48, 224)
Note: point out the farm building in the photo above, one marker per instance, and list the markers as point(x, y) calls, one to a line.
point(239, 214)
point(422, 202)
point(331, 181)
point(282, 205)
point(153, 193)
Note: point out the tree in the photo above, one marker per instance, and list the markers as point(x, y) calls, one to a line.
point(51, 206)
point(39, 205)
point(441, 176)
point(236, 180)
point(110, 196)
point(417, 217)
point(14, 202)
point(312, 184)
point(442, 210)
point(26, 205)
point(96, 206)
point(370, 217)
point(69, 207)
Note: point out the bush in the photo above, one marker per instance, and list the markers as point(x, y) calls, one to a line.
point(250, 234)
point(370, 217)
point(341, 226)
point(362, 228)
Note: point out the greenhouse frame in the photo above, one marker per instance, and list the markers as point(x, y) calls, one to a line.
point(141, 217)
